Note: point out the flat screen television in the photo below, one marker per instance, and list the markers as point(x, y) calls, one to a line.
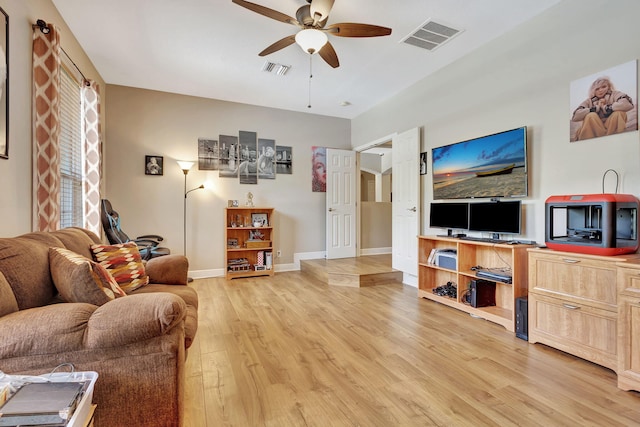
point(496, 217)
point(490, 166)
point(449, 215)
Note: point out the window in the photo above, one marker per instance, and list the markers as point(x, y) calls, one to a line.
point(71, 152)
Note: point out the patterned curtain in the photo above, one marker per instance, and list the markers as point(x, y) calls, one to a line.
point(46, 132)
point(93, 150)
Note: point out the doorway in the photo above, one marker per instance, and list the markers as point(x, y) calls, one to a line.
point(375, 197)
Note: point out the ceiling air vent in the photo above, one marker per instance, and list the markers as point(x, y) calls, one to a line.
point(279, 69)
point(431, 35)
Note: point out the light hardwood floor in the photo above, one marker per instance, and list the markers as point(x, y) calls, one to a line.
point(290, 350)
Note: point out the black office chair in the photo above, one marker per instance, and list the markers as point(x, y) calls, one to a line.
point(147, 244)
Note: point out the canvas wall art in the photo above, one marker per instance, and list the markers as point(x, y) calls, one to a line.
point(604, 103)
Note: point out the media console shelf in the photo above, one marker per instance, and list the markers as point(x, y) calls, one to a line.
point(471, 254)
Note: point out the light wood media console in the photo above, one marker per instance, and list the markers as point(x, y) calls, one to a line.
point(471, 254)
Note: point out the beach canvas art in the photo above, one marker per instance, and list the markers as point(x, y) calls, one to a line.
point(489, 166)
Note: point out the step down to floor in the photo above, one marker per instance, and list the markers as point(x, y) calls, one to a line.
point(353, 272)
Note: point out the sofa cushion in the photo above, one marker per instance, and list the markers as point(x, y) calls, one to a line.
point(124, 263)
point(77, 240)
point(79, 279)
point(8, 303)
point(24, 261)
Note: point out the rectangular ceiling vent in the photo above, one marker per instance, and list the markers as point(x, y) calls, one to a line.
point(279, 69)
point(431, 35)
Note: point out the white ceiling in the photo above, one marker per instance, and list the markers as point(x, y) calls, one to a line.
point(209, 48)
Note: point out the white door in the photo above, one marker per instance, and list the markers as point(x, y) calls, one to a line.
point(405, 211)
point(341, 203)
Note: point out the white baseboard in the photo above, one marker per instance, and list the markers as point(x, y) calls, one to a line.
point(302, 256)
point(410, 279)
point(375, 251)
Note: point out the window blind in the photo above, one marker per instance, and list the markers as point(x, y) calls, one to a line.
point(71, 153)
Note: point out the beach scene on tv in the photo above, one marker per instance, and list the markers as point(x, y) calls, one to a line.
point(489, 166)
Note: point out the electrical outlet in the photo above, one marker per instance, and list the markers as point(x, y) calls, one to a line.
point(278, 253)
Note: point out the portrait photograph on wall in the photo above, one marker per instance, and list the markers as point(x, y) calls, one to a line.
point(153, 165)
point(604, 103)
point(319, 169)
point(423, 163)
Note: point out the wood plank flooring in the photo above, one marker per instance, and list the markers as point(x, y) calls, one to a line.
point(290, 350)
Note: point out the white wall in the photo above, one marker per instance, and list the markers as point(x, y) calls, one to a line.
point(521, 79)
point(142, 122)
point(16, 172)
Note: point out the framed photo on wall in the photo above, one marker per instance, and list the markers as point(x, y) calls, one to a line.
point(4, 84)
point(153, 165)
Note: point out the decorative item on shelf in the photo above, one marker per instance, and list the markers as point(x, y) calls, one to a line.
point(238, 264)
point(268, 260)
point(256, 235)
point(259, 219)
point(232, 243)
point(232, 203)
point(250, 199)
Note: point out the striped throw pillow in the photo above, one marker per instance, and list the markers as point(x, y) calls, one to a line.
point(124, 263)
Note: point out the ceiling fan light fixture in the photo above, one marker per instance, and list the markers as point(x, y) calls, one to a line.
point(311, 40)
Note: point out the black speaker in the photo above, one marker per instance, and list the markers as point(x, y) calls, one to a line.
point(483, 293)
point(522, 318)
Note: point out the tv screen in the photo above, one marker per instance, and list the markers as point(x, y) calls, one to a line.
point(449, 215)
point(489, 166)
point(495, 217)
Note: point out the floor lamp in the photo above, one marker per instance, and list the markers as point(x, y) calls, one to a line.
point(186, 166)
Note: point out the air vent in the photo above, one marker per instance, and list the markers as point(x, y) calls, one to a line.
point(431, 35)
point(272, 67)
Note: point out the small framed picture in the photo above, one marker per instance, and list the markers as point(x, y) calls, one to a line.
point(423, 163)
point(259, 219)
point(232, 203)
point(153, 165)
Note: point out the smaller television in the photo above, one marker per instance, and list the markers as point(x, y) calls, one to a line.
point(450, 216)
point(496, 217)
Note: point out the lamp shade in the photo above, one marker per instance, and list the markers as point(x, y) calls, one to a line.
point(185, 165)
point(311, 40)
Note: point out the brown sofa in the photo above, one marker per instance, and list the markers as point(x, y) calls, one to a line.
point(136, 343)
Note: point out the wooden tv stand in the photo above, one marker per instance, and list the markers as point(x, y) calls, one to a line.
point(471, 254)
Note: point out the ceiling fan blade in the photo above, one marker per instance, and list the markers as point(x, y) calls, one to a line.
point(349, 29)
point(280, 44)
point(329, 54)
point(320, 9)
point(269, 13)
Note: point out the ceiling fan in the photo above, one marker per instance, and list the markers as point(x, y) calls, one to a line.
point(312, 37)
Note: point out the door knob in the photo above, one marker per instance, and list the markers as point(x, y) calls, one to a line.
point(330, 209)
point(413, 209)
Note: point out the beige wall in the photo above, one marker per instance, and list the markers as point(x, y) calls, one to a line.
point(375, 224)
point(521, 79)
point(16, 173)
point(143, 122)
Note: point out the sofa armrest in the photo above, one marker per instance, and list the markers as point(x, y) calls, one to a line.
point(134, 318)
point(168, 269)
point(49, 329)
point(68, 327)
